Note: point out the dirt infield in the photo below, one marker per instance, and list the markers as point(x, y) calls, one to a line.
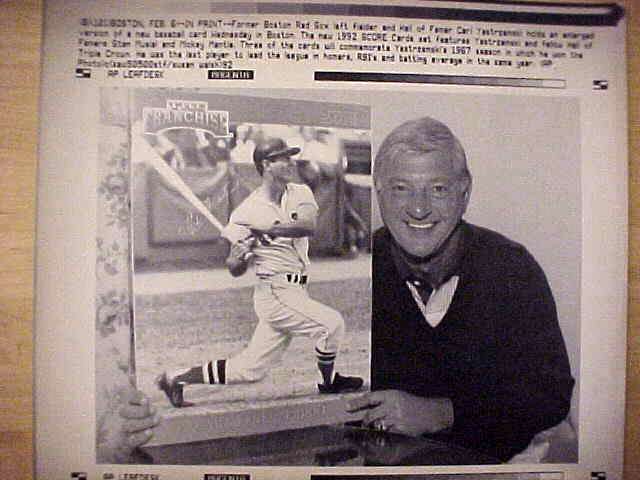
point(175, 331)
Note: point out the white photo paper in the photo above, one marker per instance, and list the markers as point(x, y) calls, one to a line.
point(334, 239)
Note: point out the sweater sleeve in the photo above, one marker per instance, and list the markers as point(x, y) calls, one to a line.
point(533, 383)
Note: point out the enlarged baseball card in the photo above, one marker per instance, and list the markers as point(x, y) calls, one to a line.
point(251, 268)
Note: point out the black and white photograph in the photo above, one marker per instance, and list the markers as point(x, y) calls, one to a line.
point(251, 266)
point(468, 341)
point(465, 352)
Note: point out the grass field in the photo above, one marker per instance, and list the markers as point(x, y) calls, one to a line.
point(176, 331)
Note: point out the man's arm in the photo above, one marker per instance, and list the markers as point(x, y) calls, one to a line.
point(535, 383)
point(303, 225)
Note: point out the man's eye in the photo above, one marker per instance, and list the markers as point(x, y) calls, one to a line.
point(440, 189)
point(399, 188)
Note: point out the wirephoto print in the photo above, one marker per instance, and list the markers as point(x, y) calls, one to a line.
point(308, 236)
point(456, 209)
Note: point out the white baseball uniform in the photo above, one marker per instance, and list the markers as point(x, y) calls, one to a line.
point(281, 300)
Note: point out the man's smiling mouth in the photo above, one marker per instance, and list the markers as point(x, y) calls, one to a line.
point(421, 226)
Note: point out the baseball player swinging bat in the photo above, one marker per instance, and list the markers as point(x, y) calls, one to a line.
point(286, 212)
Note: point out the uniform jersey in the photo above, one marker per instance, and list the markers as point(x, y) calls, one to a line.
point(280, 254)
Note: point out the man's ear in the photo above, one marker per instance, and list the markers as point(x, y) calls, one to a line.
point(466, 192)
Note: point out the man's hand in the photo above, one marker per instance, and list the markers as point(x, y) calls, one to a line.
point(400, 412)
point(126, 428)
point(138, 419)
point(239, 255)
point(241, 250)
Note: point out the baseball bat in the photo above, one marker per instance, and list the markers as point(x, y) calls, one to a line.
point(176, 181)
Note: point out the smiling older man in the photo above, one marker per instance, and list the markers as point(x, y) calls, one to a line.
point(465, 336)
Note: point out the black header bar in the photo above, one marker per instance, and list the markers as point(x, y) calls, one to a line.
point(587, 15)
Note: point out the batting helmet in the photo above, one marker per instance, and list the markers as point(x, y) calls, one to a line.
point(269, 149)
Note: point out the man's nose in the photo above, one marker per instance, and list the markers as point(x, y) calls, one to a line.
point(419, 206)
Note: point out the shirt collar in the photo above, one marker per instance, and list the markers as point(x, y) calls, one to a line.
point(438, 269)
point(262, 196)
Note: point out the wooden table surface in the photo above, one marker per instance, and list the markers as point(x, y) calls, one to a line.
point(20, 40)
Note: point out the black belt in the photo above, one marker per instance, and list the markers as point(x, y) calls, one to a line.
point(297, 278)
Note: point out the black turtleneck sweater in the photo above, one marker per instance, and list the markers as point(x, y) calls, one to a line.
point(498, 353)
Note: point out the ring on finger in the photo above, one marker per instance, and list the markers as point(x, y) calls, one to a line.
point(381, 426)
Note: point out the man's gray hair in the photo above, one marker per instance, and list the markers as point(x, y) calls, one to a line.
point(423, 135)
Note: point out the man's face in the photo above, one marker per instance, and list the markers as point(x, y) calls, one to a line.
point(282, 168)
point(422, 199)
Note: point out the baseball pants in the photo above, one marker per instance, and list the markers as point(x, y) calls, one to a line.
point(284, 310)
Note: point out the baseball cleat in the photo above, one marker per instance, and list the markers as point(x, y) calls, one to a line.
point(173, 390)
point(341, 385)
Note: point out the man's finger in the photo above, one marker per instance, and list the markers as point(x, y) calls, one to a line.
point(139, 424)
point(373, 415)
point(136, 397)
point(239, 249)
point(137, 411)
point(368, 400)
point(139, 438)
